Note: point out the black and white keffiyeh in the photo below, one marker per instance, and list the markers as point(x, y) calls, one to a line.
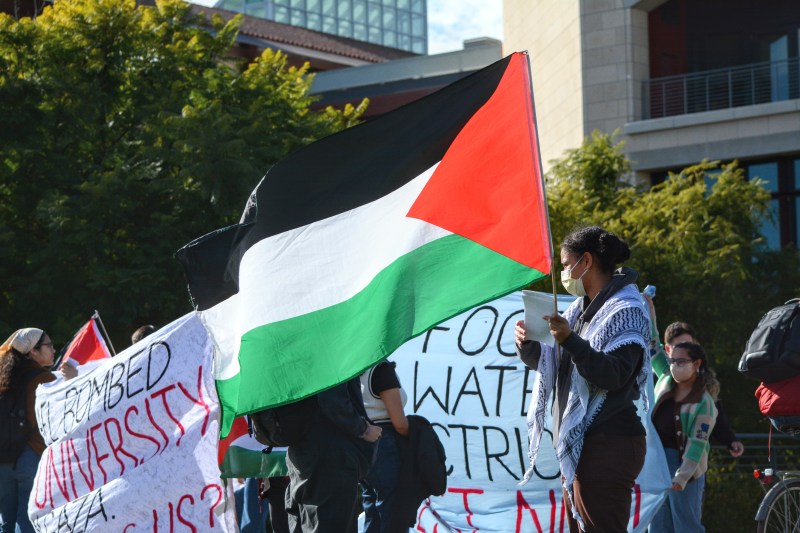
point(622, 319)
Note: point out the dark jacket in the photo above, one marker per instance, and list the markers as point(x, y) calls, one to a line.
point(31, 375)
point(423, 472)
point(614, 371)
point(341, 420)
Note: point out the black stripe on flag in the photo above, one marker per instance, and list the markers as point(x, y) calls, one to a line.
point(336, 174)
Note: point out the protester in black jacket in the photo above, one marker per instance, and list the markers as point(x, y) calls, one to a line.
point(326, 465)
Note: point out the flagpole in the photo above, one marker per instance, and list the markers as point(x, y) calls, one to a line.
point(544, 193)
point(542, 185)
point(100, 320)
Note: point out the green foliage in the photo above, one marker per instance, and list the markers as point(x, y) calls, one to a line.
point(127, 132)
point(730, 501)
point(700, 246)
point(732, 495)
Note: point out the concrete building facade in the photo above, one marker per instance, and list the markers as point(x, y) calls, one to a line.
point(682, 81)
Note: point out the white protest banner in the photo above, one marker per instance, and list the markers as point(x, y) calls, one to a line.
point(132, 442)
point(464, 377)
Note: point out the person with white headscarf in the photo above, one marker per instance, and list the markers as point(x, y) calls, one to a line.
point(24, 361)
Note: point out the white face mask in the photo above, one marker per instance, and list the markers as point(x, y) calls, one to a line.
point(681, 374)
point(574, 286)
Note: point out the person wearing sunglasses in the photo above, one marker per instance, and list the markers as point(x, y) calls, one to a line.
point(24, 361)
point(684, 417)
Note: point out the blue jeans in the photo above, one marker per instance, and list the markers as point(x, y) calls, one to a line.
point(377, 489)
point(251, 511)
point(16, 484)
point(681, 510)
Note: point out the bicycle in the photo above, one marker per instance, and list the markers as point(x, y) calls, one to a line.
point(779, 510)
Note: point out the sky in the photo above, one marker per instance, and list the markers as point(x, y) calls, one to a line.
point(452, 21)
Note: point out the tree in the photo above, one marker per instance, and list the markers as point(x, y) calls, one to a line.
point(127, 132)
point(696, 237)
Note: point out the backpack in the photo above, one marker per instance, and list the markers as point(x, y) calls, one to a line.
point(773, 351)
point(285, 425)
point(14, 429)
point(430, 459)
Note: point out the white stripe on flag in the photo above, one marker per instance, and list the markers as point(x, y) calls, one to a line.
point(317, 266)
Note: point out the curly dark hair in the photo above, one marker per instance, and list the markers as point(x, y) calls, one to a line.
point(606, 247)
point(8, 362)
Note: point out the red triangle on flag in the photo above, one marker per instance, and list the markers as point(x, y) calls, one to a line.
point(238, 429)
point(88, 345)
point(488, 186)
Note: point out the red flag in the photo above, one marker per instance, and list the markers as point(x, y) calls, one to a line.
point(88, 345)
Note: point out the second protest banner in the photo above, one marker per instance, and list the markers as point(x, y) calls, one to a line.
point(132, 441)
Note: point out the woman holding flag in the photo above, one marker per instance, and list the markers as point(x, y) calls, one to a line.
point(595, 371)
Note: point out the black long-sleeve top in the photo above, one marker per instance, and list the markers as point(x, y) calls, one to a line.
point(614, 371)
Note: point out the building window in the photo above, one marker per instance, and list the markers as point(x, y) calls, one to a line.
point(255, 9)
point(770, 227)
point(417, 25)
point(375, 35)
point(282, 14)
point(781, 178)
point(344, 10)
point(404, 42)
point(360, 11)
point(360, 32)
point(403, 22)
point(392, 23)
point(345, 28)
point(796, 170)
point(233, 5)
point(314, 21)
point(389, 19)
point(374, 14)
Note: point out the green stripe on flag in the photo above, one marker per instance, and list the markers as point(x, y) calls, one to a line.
point(242, 462)
point(419, 290)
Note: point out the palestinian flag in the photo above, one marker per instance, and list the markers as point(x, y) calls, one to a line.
point(356, 243)
point(240, 455)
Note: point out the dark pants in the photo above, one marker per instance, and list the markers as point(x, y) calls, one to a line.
point(604, 481)
point(323, 486)
point(276, 496)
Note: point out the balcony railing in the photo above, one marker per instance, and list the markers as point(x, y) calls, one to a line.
point(709, 90)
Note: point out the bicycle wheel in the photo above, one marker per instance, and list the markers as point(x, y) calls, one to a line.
point(781, 508)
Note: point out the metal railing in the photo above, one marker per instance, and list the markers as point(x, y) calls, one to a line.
point(783, 453)
point(757, 83)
